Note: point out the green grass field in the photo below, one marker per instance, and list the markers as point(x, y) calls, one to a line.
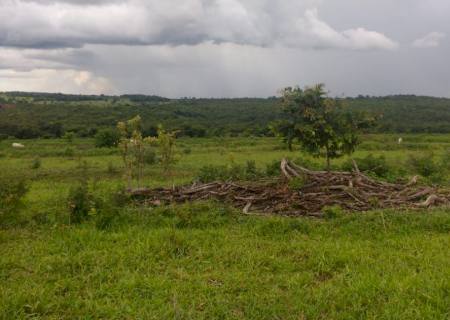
point(208, 261)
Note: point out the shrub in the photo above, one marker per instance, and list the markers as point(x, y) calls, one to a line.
point(235, 171)
point(149, 156)
point(69, 152)
point(304, 162)
point(445, 161)
point(105, 213)
point(120, 197)
point(211, 173)
point(425, 165)
point(80, 203)
point(251, 171)
point(12, 192)
point(69, 136)
point(36, 163)
point(332, 212)
point(297, 183)
point(111, 169)
point(370, 164)
point(204, 215)
point(273, 168)
point(107, 138)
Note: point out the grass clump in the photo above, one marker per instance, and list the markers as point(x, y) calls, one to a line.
point(80, 203)
point(297, 183)
point(372, 165)
point(149, 156)
point(428, 166)
point(36, 163)
point(111, 169)
point(234, 171)
point(332, 212)
point(12, 191)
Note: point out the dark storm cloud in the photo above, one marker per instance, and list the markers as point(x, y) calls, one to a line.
point(57, 24)
point(225, 47)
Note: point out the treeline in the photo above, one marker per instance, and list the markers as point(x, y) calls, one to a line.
point(33, 115)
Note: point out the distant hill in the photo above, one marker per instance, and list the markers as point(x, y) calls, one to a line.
point(407, 113)
point(51, 114)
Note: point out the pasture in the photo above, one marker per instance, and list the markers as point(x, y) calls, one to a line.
point(207, 260)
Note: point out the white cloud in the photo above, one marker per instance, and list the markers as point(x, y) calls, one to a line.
point(311, 31)
point(69, 81)
point(431, 40)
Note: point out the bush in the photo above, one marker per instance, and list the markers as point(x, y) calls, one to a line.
point(197, 215)
point(445, 161)
point(69, 136)
point(297, 183)
point(150, 156)
point(69, 152)
point(251, 172)
point(36, 163)
point(425, 165)
point(211, 173)
point(273, 168)
point(107, 138)
point(12, 192)
point(309, 164)
point(80, 203)
point(332, 212)
point(105, 213)
point(370, 164)
point(111, 169)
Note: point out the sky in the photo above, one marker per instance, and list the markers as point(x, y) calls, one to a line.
point(225, 48)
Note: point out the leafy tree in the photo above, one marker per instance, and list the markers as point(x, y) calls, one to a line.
point(165, 141)
point(132, 148)
point(319, 123)
point(107, 138)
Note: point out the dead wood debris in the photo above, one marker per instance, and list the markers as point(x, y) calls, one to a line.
point(352, 191)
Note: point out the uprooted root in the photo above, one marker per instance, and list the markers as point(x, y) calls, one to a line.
point(352, 191)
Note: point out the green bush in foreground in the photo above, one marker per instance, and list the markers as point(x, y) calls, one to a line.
point(80, 203)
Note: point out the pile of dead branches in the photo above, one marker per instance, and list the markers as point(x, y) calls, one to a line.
point(352, 191)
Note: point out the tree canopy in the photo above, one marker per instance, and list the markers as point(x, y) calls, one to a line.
point(319, 123)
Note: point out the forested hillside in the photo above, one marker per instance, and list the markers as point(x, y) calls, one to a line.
point(31, 115)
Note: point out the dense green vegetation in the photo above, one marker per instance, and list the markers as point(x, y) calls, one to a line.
point(206, 260)
point(75, 244)
point(32, 115)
